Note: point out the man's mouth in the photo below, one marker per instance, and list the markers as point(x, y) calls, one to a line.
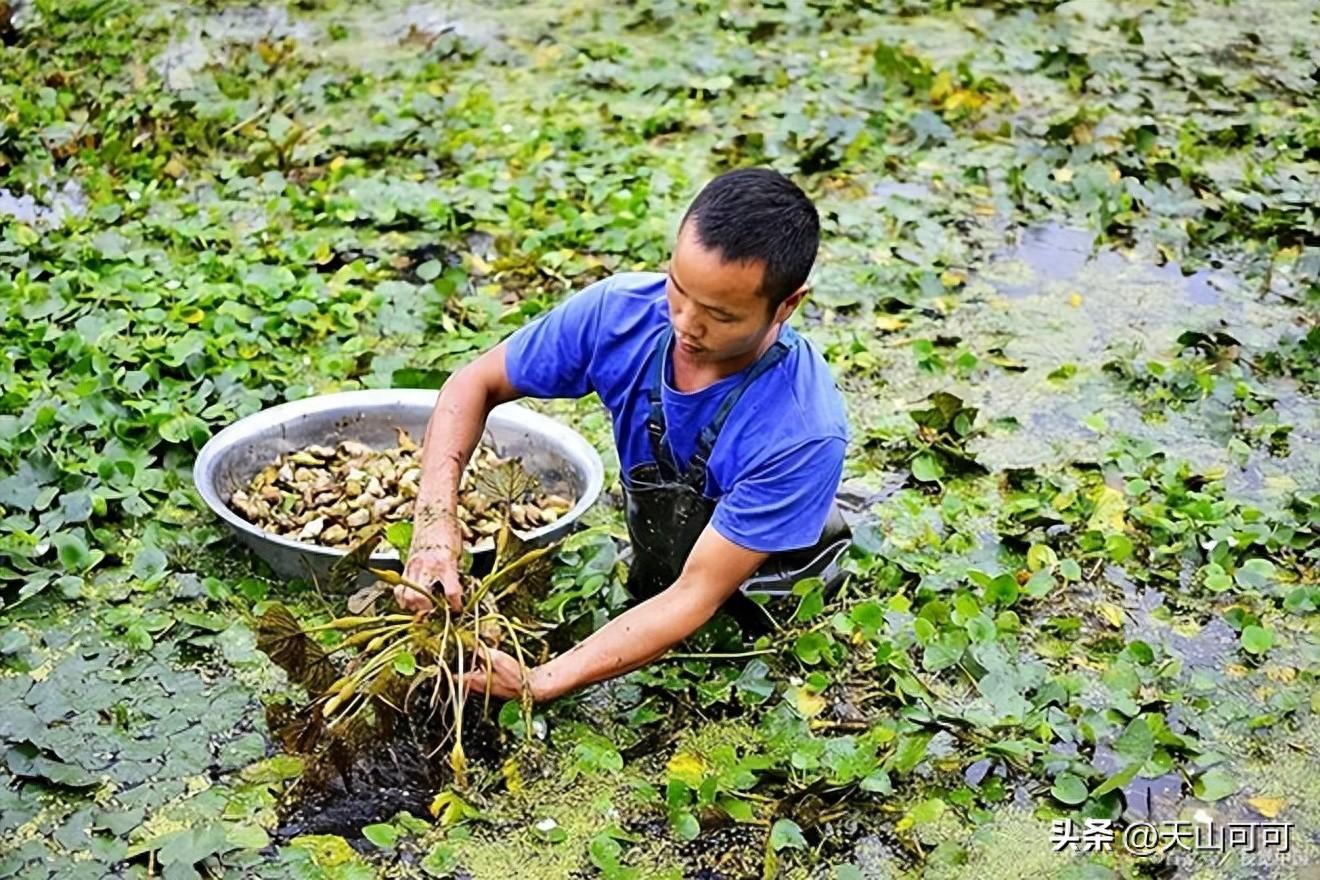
point(688, 346)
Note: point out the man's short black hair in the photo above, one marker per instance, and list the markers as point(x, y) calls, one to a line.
point(759, 214)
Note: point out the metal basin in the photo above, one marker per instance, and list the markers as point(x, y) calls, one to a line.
point(565, 463)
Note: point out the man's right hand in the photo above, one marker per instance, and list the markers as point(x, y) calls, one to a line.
point(437, 570)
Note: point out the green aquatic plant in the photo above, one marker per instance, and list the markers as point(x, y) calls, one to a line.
point(366, 673)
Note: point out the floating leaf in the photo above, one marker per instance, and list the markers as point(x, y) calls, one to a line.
point(382, 834)
point(1069, 789)
point(786, 834)
point(1256, 639)
point(1110, 513)
point(1214, 784)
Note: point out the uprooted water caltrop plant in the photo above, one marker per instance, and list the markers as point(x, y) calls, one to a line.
point(1068, 285)
point(367, 675)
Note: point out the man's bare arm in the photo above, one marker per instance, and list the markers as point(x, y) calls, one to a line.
point(714, 570)
point(454, 429)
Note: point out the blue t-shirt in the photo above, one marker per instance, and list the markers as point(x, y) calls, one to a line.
point(777, 463)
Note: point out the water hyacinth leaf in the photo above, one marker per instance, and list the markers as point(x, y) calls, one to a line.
point(811, 647)
point(1002, 590)
point(1255, 573)
point(441, 860)
point(1069, 789)
point(1136, 743)
point(1216, 578)
point(945, 651)
point(685, 825)
point(1040, 584)
point(1256, 639)
point(382, 834)
point(868, 617)
point(73, 552)
point(245, 835)
point(737, 809)
point(909, 752)
point(924, 813)
point(786, 834)
point(411, 377)
point(1110, 513)
point(1118, 547)
point(1214, 784)
point(190, 846)
point(812, 598)
point(927, 468)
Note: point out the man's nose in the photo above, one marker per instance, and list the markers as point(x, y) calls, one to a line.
point(683, 320)
point(689, 329)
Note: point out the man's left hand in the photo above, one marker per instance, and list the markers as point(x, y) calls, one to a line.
point(499, 674)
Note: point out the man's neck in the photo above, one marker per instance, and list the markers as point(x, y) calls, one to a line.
point(690, 375)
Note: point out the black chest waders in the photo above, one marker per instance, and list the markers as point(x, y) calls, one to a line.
point(668, 509)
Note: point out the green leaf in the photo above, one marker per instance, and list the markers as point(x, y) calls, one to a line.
point(399, 535)
point(1214, 784)
point(1257, 639)
point(441, 861)
point(785, 834)
point(812, 603)
point(910, 750)
point(138, 638)
point(927, 811)
point(1216, 578)
point(412, 377)
point(1110, 511)
point(73, 552)
point(182, 428)
point(685, 825)
point(1003, 590)
point(194, 844)
point(405, 663)
point(1040, 584)
point(1069, 789)
point(1117, 781)
point(868, 617)
point(1136, 743)
point(737, 809)
point(1118, 547)
point(946, 650)
point(1255, 573)
point(927, 468)
point(382, 834)
point(810, 646)
point(247, 836)
point(1041, 556)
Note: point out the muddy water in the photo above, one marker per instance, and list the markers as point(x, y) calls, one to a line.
point(46, 210)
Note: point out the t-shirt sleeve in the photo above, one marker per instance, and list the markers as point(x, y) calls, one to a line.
point(783, 505)
point(552, 356)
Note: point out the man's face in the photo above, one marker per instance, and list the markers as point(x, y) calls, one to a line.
point(716, 308)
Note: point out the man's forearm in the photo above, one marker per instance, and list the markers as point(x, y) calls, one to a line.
point(452, 434)
point(633, 639)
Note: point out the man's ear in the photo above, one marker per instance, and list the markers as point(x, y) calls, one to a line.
point(787, 307)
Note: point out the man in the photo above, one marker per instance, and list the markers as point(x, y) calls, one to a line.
point(729, 427)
